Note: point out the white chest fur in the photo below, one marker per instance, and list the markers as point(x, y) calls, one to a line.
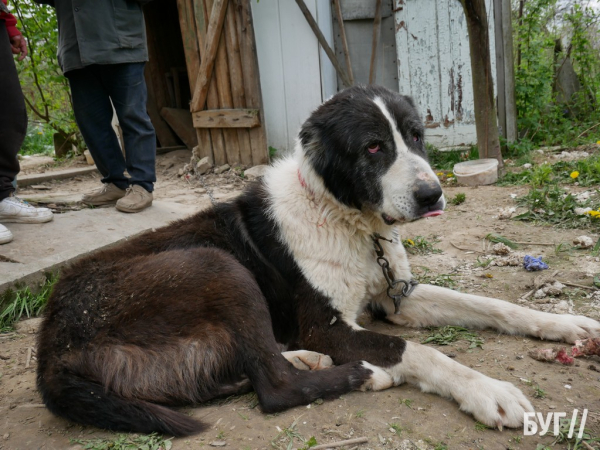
point(330, 242)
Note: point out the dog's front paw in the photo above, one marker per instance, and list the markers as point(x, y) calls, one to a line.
point(567, 328)
point(307, 360)
point(494, 403)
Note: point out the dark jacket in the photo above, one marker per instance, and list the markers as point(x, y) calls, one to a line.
point(99, 32)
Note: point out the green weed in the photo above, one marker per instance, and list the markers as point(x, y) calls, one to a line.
point(538, 392)
point(126, 442)
point(574, 443)
point(497, 238)
point(445, 160)
point(420, 245)
point(444, 279)
point(24, 303)
point(286, 437)
point(481, 426)
point(449, 334)
point(395, 428)
point(458, 198)
point(38, 140)
point(553, 206)
point(407, 402)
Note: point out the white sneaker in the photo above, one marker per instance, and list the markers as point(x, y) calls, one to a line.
point(13, 209)
point(5, 235)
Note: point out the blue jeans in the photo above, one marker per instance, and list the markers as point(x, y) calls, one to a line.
point(92, 89)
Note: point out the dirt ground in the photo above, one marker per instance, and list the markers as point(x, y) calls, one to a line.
point(398, 418)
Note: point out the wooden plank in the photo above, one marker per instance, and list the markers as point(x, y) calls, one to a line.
point(227, 118)
point(187, 24)
point(207, 62)
point(221, 75)
point(258, 138)
point(376, 34)
point(315, 27)
point(237, 84)
point(212, 100)
point(340, 19)
point(165, 136)
point(180, 120)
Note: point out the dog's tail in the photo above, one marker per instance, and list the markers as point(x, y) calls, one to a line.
point(79, 400)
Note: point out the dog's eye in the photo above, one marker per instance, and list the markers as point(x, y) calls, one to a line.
point(374, 148)
point(416, 138)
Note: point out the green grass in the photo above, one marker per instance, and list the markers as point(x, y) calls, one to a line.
point(38, 141)
point(552, 205)
point(23, 303)
point(574, 443)
point(586, 172)
point(286, 437)
point(126, 442)
point(449, 334)
point(458, 199)
point(447, 159)
point(423, 275)
point(419, 245)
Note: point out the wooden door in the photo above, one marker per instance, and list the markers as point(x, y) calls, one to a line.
point(220, 49)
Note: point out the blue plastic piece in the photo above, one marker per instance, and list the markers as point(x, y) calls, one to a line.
point(532, 263)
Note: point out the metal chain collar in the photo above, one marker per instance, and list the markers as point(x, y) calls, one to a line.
point(205, 186)
point(407, 285)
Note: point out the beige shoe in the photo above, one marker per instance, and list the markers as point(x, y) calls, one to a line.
point(108, 194)
point(136, 199)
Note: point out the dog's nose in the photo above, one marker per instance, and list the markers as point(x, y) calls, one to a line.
point(427, 193)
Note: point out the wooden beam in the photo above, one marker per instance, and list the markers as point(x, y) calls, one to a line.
point(340, 19)
point(375, 44)
point(227, 118)
point(187, 23)
point(207, 63)
point(315, 27)
point(180, 120)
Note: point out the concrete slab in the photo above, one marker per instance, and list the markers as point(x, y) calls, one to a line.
point(46, 247)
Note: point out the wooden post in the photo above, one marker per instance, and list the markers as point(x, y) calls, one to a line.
point(488, 142)
point(376, 34)
point(315, 27)
point(505, 74)
point(340, 18)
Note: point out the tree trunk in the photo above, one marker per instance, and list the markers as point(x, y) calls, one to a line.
point(483, 83)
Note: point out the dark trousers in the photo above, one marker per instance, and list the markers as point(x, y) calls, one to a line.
point(13, 116)
point(93, 88)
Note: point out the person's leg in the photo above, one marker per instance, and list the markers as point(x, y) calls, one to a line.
point(13, 117)
point(127, 88)
point(13, 128)
point(93, 112)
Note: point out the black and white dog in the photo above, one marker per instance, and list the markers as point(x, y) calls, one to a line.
point(199, 309)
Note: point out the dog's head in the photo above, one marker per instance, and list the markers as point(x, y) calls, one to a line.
point(366, 143)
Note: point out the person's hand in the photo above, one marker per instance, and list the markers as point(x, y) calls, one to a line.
point(18, 45)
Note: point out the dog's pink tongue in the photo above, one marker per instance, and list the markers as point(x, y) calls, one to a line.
point(438, 212)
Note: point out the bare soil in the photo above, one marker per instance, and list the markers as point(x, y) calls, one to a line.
point(398, 418)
